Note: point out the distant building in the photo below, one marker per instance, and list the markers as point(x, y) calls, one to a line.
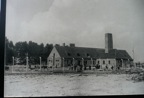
point(73, 56)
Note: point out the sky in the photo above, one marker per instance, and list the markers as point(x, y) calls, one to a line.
point(83, 22)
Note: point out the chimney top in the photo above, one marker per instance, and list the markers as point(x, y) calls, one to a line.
point(72, 45)
point(63, 44)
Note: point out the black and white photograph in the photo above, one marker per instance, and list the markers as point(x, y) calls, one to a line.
point(74, 48)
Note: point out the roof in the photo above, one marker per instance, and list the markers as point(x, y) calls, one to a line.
point(87, 53)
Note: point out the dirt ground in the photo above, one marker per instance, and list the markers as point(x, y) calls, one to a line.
point(71, 85)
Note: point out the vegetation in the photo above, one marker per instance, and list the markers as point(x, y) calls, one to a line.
point(21, 49)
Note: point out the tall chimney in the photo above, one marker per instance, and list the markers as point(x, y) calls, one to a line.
point(72, 45)
point(63, 44)
point(108, 42)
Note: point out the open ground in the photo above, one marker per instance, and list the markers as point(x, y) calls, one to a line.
point(69, 84)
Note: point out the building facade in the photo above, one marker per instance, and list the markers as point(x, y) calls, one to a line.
point(107, 58)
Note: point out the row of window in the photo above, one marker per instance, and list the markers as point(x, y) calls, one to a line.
point(51, 60)
point(93, 61)
point(78, 54)
point(104, 62)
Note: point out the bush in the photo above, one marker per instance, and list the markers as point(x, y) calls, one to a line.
point(135, 71)
point(138, 77)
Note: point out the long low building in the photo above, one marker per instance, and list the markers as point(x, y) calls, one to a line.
point(72, 56)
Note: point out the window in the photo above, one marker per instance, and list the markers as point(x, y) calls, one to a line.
point(53, 54)
point(103, 62)
point(93, 62)
point(125, 55)
point(109, 62)
point(88, 54)
point(78, 54)
point(68, 54)
point(98, 62)
point(57, 60)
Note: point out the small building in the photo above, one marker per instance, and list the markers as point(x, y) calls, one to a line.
point(71, 55)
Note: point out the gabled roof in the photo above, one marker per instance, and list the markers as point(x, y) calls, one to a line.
point(87, 53)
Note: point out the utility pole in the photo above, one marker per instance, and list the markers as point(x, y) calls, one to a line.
point(52, 64)
point(133, 57)
point(133, 54)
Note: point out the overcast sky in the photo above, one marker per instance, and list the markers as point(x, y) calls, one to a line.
point(83, 22)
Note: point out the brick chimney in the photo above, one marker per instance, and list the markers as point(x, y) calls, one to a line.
point(72, 45)
point(63, 44)
point(108, 42)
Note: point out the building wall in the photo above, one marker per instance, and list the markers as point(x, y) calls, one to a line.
point(108, 62)
point(57, 61)
point(87, 63)
point(123, 63)
point(54, 60)
point(69, 62)
point(90, 63)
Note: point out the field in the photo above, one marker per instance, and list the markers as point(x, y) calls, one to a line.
point(71, 85)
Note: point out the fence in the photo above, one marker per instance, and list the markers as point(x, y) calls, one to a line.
point(47, 69)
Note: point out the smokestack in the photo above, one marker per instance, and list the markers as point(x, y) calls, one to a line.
point(108, 42)
point(63, 44)
point(72, 45)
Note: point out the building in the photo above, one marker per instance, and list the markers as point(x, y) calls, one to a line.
point(88, 57)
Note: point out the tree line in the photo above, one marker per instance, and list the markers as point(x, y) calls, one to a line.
point(31, 49)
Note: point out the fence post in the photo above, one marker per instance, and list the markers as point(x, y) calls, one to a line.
point(47, 64)
point(122, 64)
point(26, 63)
point(52, 64)
point(82, 64)
point(13, 64)
point(40, 63)
point(91, 63)
point(63, 65)
point(73, 63)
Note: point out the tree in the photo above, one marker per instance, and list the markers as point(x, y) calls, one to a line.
point(9, 48)
point(34, 51)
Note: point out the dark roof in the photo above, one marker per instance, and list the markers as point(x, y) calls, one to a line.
point(87, 53)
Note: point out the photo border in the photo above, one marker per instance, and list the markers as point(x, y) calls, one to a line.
point(2, 44)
